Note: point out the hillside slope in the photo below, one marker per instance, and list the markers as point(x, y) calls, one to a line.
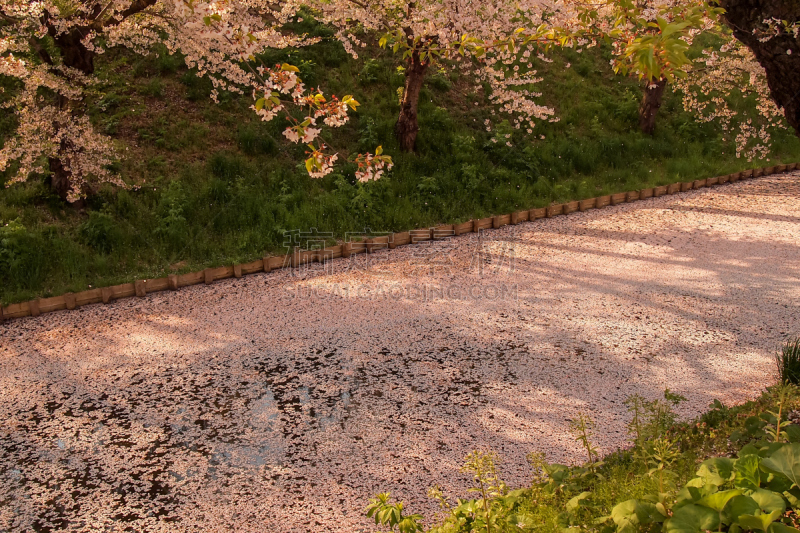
point(215, 185)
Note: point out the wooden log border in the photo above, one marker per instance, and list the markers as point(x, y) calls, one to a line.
point(141, 288)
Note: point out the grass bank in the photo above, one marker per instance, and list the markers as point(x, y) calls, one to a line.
point(217, 186)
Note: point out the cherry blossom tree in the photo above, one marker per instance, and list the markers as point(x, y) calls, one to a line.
point(771, 31)
point(754, 53)
point(649, 39)
point(476, 34)
point(720, 73)
point(50, 46)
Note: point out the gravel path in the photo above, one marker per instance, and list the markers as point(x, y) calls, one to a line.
point(282, 403)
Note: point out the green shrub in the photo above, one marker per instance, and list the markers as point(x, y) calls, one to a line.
point(255, 140)
point(372, 71)
point(218, 191)
point(101, 232)
point(233, 168)
point(788, 361)
point(438, 80)
point(166, 63)
point(228, 166)
point(583, 68)
point(172, 225)
point(21, 256)
point(197, 88)
point(153, 88)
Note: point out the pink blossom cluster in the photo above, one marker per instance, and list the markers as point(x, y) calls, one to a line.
point(733, 69)
point(371, 167)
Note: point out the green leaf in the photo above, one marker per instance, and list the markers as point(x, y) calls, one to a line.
point(758, 522)
point(687, 495)
point(769, 501)
point(777, 483)
point(793, 497)
point(717, 501)
point(575, 503)
point(738, 506)
point(716, 471)
point(748, 449)
point(747, 472)
point(629, 515)
point(785, 461)
point(777, 527)
point(792, 432)
point(556, 472)
point(768, 448)
point(692, 519)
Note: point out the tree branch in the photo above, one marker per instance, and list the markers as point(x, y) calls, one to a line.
point(43, 54)
point(137, 6)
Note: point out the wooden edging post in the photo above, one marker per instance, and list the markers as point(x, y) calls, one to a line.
point(107, 294)
point(140, 288)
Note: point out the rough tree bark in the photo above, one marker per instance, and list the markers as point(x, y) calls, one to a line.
point(407, 125)
point(651, 102)
point(74, 54)
point(782, 66)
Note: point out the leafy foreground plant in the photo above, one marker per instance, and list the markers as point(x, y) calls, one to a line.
point(756, 489)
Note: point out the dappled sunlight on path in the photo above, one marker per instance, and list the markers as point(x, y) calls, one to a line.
point(282, 403)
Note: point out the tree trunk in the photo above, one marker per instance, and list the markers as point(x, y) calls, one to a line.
point(74, 54)
point(59, 178)
point(407, 125)
point(651, 102)
point(781, 65)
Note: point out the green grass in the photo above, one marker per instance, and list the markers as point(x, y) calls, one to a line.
point(215, 185)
